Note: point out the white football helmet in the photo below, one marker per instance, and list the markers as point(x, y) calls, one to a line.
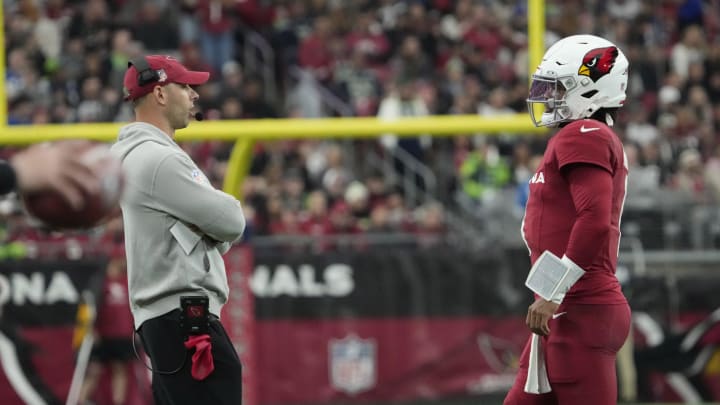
point(578, 75)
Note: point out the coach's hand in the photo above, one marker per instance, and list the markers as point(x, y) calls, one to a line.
point(539, 314)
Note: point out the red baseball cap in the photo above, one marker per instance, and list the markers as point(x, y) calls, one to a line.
point(169, 69)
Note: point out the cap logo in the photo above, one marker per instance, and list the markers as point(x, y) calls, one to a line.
point(162, 76)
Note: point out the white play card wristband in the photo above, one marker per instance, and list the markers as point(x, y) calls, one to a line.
point(551, 277)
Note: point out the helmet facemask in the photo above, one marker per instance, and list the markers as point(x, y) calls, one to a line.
point(550, 93)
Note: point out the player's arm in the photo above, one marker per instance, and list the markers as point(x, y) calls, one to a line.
point(591, 188)
point(586, 163)
point(216, 214)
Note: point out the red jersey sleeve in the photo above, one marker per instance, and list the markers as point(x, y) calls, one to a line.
point(585, 141)
point(591, 190)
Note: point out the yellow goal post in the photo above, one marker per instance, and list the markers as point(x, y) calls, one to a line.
point(246, 132)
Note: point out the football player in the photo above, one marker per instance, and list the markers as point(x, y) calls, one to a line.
point(580, 317)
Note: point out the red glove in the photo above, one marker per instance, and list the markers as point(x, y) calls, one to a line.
point(202, 360)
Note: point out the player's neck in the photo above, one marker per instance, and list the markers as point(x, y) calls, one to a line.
point(155, 120)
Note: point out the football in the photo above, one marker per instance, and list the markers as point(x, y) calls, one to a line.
point(54, 212)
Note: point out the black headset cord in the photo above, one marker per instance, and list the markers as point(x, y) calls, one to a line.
point(149, 367)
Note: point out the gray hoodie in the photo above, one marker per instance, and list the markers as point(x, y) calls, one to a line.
point(177, 225)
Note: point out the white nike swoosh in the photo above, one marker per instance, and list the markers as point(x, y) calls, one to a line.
point(583, 129)
point(558, 315)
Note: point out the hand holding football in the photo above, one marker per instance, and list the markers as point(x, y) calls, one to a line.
point(100, 198)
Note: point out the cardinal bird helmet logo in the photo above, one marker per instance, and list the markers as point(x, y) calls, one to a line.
point(598, 62)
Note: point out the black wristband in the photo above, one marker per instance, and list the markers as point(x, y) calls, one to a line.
point(8, 178)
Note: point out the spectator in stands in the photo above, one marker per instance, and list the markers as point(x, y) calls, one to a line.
point(253, 99)
point(274, 207)
point(689, 50)
point(377, 188)
point(231, 82)
point(451, 84)
point(497, 104)
point(389, 12)
point(712, 174)
point(21, 111)
point(359, 83)
point(289, 224)
point(231, 109)
point(293, 190)
point(522, 189)
point(368, 39)
point(57, 9)
point(124, 48)
point(188, 23)
point(380, 220)
point(403, 101)
point(18, 64)
point(430, 219)
point(216, 31)
point(639, 129)
point(313, 154)
point(336, 175)
point(699, 102)
point(315, 220)
point(314, 52)
point(624, 9)
point(357, 199)
point(643, 179)
point(430, 224)
point(48, 36)
point(690, 177)
point(91, 108)
point(657, 154)
point(305, 100)
point(192, 56)
point(524, 165)
point(342, 220)
point(157, 28)
point(690, 12)
point(398, 210)
point(91, 24)
point(291, 23)
point(696, 74)
point(411, 63)
point(484, 172)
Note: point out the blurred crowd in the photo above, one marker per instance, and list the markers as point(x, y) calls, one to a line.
point(386, 58)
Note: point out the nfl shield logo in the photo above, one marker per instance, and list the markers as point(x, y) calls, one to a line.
point(198, 176)
point(353, 364)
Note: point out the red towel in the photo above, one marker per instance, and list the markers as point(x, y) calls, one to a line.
point(202, 360)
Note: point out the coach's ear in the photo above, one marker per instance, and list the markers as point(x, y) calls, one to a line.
point(159, 95)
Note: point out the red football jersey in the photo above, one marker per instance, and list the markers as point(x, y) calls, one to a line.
point(550, 214)
point(114, 319)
